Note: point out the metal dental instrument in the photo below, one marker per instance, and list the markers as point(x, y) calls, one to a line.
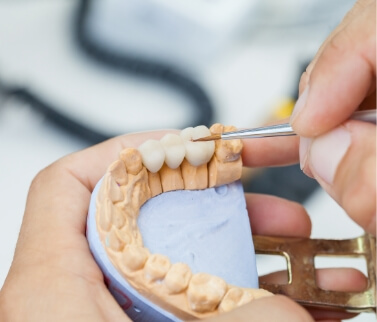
point(302, 286)
point(279, 129)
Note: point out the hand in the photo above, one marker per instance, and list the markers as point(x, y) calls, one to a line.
point(341, 154)
point(278, 152)
point(53, 276)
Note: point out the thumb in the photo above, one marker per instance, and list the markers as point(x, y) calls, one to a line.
point(344, 163)
point(342, 77)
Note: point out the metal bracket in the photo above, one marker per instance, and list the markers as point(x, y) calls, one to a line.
point(302, 287)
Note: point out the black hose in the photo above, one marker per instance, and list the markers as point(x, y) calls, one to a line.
point(126, 63)
point(135, 65)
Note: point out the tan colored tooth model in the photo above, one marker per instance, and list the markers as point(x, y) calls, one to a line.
point(173, 163)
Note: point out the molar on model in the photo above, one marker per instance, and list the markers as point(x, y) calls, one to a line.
point(156, 267)
point(226, 164)
point(118, 172)
point(178, 278)
point(105, 220)
point(132, 160)
point(234, 298)
point(205, 292)
point(113, 241)
point(110, 189)
point(134, 257)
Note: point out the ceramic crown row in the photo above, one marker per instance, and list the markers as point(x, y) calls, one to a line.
point(173, 148)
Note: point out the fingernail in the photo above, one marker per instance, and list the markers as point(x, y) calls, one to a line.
point(301, 102)
point(327, 151)
point(303, 151)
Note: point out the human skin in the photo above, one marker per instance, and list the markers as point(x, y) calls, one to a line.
point(54, 277)
point(340, 154)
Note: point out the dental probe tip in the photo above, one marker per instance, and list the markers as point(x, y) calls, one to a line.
point(208, 138)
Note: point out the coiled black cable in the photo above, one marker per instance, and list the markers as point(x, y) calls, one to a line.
point(126, 63)
point(142, 67)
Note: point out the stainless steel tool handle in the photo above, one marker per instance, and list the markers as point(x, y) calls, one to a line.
point(286, 129)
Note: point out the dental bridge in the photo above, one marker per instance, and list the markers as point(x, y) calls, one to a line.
point(175, 162)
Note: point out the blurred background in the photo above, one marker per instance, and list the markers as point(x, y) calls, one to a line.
point(73, 73)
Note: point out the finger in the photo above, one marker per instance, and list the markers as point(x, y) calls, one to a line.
point(273, 216)
point(50, 293)
point(357, 8)
point(341, 78)
point(330, 316)
point(277, 151)
point(330, 279)
point(272, 308)
point(342, 280)
point(344, 163)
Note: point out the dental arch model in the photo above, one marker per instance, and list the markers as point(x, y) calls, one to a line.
point(172, 163)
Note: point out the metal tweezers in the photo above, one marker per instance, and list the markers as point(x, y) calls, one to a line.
point(301, 285)
point(279, 129)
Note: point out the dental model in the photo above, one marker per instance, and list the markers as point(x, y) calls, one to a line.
point(172, 163)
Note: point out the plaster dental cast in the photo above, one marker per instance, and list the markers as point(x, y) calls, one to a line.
point(174, 163)
point(54, 277)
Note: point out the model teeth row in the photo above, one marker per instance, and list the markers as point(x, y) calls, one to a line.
point(173, 148)
point(128, 184)
point(205, 292)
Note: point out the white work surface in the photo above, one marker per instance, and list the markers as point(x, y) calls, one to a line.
point(257, 73)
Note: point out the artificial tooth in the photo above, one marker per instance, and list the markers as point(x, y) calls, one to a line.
point(197, 153)
point(113, 241)
point(235, 297)
point(194, 178)
point(178, 277)
point(118, 172)
point(226, 150)
point(132, 160)
point(134, 257)
point(220, 173)
point(171, 179)
point(205, 292)
point(152, 154)
point(156, 267)
point(174, 150)
point(110, 188)
point(137, 238)
point(125, 235)
point(154, 183)
point(117, 216)
point(141, 191)
point(105, 214)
